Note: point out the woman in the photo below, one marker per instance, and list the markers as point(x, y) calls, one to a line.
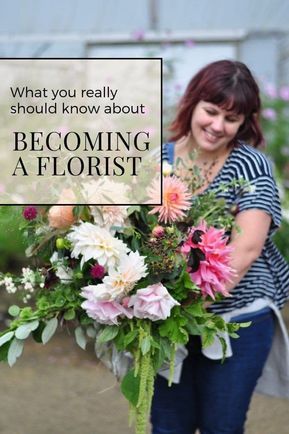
point(219, 118)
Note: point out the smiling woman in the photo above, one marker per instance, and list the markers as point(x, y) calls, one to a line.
point(218, 124)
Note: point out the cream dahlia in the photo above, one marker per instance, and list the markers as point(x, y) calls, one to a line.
point(93, 242)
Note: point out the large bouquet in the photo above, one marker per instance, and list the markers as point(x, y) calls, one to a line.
point(135, 279)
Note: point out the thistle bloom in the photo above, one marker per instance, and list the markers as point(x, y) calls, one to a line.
point(93, 242)
point(97, 271)
point(176, 199)
point(29, 213)
point(214, 270)
point(153, 302)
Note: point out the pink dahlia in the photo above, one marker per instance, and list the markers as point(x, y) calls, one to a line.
point(176, 199)
point(213, 255)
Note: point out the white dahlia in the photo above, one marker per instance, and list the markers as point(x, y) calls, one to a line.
point(120, 281)
point(93, 242)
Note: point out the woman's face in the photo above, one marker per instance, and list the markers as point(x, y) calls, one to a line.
point(213, 127)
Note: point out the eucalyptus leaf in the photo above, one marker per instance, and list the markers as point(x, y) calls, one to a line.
point(14, 310)
point(49, 330)
point(91, 332)
point(23, 331)
point(107, 334)
point(5, 338)
point(80, 337)
point(15, 351)
point(4, 351)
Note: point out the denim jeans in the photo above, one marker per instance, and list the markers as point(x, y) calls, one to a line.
point(211, 396)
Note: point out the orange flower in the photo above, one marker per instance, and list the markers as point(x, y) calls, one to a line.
point(61, 216)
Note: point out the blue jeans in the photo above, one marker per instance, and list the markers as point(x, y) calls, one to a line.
point(211, 396)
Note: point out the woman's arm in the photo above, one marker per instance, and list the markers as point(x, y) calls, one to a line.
point(247, 244)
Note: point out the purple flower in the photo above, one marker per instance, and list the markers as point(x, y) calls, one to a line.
point(97, 271)
point(189, 43)
point(284, 93)
point(270, 90)
point(153, 302)
point(269, 114)
point(29, 212)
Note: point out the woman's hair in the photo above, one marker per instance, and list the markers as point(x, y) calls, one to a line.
point(230, 85)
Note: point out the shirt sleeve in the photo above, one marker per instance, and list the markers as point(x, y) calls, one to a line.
point(262, 193)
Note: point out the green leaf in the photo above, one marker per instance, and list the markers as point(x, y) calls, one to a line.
point(91, 332)
point(234, 335)
point(69, 314)
point(245, 324)
point(173, 328)
point(107, 334)
point(195, 309)
point(208, 337)
point(129, 337)
point(15, 351)
point(130, 387)
point(132, 209)
point(80, 337)
point(37, 334)
point(4, 351)
point(5, 338)
point(23, 331)
point(49, 330)
point(145, 345)
point(14, 310)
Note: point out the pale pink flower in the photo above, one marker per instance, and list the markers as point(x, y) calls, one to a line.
point(176, 199)
point(106, 312)
point(110, 216)
point(214, 269)
point(153, 302)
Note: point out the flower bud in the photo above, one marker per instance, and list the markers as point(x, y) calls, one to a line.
point(158, 231)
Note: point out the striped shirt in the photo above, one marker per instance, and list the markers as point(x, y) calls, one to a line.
point(269, 275)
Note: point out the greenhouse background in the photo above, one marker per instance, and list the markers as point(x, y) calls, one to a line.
point(187, 34)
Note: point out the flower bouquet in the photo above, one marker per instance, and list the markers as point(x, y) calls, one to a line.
point(134, 279)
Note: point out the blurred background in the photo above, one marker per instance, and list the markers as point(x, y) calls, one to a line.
point(187, 34)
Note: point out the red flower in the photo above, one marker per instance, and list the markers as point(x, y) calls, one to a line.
point(29, 212)
point(97, 271)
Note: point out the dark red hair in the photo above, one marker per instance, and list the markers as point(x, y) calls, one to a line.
point(230, 85)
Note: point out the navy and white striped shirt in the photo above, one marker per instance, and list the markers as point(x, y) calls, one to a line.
point(269, 274)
